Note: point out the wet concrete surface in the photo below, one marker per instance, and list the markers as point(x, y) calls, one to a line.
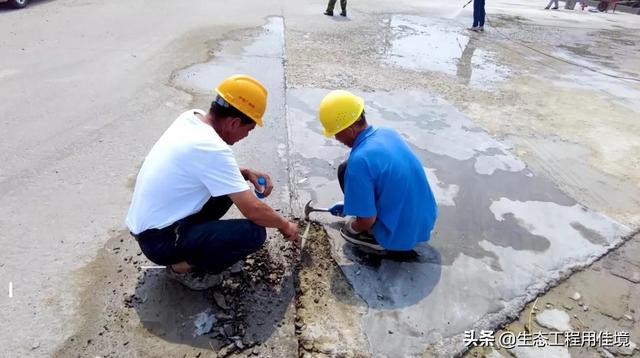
point(502, 236)
point(428, 44)
point(507, 229)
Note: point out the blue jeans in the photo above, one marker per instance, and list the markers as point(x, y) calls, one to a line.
point(202, 240)
point(478, 13)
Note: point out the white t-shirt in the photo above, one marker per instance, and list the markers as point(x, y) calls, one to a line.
point(189, 164)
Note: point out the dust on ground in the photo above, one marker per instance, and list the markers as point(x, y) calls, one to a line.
point(328, 309)
point(601, 298)
point(131, 311)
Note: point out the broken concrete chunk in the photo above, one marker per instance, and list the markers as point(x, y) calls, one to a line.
point(627, 351)
point(239, 344)
point(220, 301)
point(223, 316)
point(236, 268)
point(228, 330)
point(203, 322)
point(576, 296)
point(554, 319)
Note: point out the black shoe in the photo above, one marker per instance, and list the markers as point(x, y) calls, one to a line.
point(344, 13)
point(328, 13)
point(362, 239)
point(195, 281)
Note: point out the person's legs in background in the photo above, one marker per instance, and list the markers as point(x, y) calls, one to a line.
point(552, 2)
point(481, 15)
point(476, 13)
point(343, 7)
point(330, 6)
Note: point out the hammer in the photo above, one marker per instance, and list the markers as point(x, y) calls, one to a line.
point(335, 210)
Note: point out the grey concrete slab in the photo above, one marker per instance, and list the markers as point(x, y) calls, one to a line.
point(503, 234)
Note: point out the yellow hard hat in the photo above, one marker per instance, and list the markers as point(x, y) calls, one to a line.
point(246, 94)
point(338, 110)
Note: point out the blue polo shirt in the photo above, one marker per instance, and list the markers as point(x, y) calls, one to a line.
point(385, 178)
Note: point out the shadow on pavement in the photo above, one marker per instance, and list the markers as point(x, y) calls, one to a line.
point(214, 318)
point(393, 280)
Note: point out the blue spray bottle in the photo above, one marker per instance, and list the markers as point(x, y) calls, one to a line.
point(262, 181)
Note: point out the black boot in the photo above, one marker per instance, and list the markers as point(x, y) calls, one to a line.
point(343, 13)
point(328, 13)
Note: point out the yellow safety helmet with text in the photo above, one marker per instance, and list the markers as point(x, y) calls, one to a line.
point(338, 110)
point(246, 94)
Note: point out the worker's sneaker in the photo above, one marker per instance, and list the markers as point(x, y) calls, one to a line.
point(481, 29)
point(195, 281)
point(361, 239)
point(328, 13)
point(473, 29)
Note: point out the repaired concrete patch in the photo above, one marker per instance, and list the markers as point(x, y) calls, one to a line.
point(503, 234)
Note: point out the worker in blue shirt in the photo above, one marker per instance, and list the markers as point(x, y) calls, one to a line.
point(386, 191)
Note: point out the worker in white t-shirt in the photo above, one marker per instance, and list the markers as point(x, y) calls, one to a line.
point(190, 179)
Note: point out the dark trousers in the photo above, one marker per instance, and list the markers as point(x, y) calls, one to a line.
point(478, 13)
point(202, 240)
point(332, 4)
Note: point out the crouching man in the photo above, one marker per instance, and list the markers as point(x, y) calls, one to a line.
point(190, 179)
point(384, 184)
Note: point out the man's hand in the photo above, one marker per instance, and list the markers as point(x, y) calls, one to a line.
point(253, 175)
point(290, 232)
point(337, 209)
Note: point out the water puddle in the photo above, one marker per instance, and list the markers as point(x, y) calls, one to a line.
point(260, 55)
point(434, 45)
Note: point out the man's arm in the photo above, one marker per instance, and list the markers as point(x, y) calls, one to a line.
point(263, 215)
